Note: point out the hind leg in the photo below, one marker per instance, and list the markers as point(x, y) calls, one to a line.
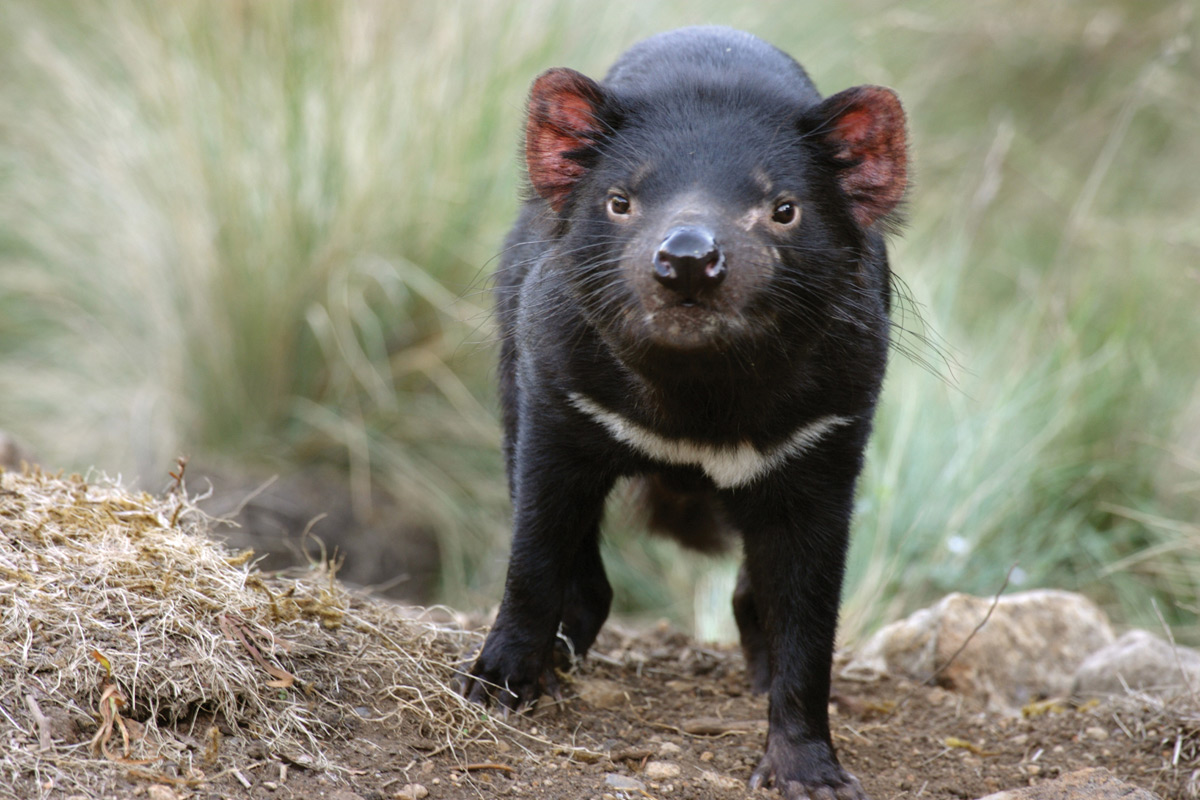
point(754, 638)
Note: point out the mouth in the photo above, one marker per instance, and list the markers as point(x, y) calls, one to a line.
point(690, 325)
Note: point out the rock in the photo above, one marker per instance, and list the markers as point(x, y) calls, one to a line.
point(1030, 647)
point(662, 770)
point(1086, 784)
point(412, 791)
point(715, 726)
point(1140, 661)
point(381, 544)
point(12, 453)
point(599, 693)
point(669, 749)
point(638, 754)
point(722, 781)
point(623, 783)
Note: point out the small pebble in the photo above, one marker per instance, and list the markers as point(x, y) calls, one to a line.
point(723, 781)
point(661, 770)
point(624, 783)
point(600, 693)
point(412, 791)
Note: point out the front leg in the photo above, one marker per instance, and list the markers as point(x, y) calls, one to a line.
point(586, 603)
point(558, 501)
point(795, 531)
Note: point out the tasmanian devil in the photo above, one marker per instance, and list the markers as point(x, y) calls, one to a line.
point(696, 294)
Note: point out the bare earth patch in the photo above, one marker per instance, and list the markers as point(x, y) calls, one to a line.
point(140, 659)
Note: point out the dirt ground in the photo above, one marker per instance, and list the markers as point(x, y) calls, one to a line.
point(652, 714)
point(139, 659)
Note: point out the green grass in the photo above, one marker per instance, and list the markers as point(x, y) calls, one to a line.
point(261, 232)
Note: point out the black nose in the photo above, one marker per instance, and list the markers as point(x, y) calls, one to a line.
point(688, 261)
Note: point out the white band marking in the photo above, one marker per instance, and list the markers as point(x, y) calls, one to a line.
point(729, 466)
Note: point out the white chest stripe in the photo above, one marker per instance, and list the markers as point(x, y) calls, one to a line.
point(729, 466)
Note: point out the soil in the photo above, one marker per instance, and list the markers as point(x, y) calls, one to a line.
point(653, 714)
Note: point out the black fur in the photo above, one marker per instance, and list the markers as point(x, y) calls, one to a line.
point(783, 323)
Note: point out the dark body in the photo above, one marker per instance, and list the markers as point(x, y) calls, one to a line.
point(696, 293)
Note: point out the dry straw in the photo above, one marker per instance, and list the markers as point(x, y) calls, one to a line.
point(133, 646)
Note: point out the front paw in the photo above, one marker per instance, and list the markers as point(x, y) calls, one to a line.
point(806, 772)
point(512, 678)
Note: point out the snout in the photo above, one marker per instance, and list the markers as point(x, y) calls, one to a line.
point(689, 262)
point(693, 285)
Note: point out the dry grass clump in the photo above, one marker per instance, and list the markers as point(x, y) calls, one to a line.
point(1168, 726)
point(133, 645)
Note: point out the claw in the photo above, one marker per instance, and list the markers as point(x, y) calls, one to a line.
point(474, 690)
point(551, 686)
point(511, 683)
point(796, 791)
point(851, 791)
point(843, 787)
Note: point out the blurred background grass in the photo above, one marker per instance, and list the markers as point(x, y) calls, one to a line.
point(260, 233)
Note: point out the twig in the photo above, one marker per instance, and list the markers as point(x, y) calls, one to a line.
point(245, 501)
point(45, 741)
point(177, 490)
point(177, 479)
point(995, 601)
point(929, 681)
point(283, 678)
point(1183, 673)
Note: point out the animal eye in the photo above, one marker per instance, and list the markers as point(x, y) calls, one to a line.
point(618, 204)
point(786, 213)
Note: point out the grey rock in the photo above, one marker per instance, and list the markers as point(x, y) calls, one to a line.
point(381, 545)
point(1138, 661)
point(662, 770)
point(12, 453)
point(1030, 647)
point(722, 781)
point(623, 783)
point(1086, 784)
point(601, 693)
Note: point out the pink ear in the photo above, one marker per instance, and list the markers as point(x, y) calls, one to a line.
point(563, 107)
point(865, 125)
